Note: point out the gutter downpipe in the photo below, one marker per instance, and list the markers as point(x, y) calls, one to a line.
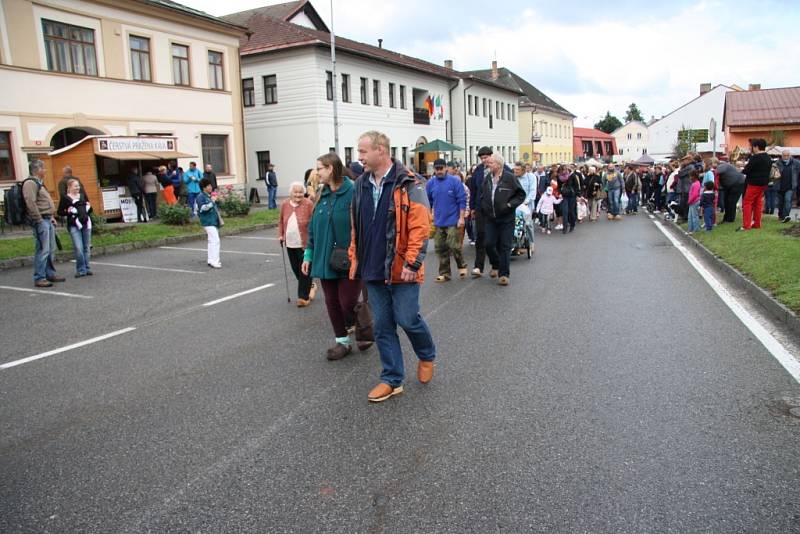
point(466, 147)
point(450, 95)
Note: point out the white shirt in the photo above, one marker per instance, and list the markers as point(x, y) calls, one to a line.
point(293, 237)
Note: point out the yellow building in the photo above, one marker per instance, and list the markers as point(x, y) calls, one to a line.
point(131, 68)
point(540, 119)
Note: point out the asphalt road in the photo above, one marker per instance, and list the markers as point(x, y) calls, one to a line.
point(608, 389)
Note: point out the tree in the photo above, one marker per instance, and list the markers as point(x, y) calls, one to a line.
point(609, 123)
point(633, 114)
point(777, 137)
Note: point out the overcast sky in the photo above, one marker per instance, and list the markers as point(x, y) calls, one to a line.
point(589, 60)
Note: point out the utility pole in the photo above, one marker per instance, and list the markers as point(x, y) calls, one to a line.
point(333, 88)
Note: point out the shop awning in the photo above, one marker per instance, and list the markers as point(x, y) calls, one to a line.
point(127, 156)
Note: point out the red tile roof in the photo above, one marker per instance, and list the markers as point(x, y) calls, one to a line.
point(762, 107)
point(278, 11)
point(591, 132)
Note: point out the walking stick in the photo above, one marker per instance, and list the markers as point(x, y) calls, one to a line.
point(285, 274)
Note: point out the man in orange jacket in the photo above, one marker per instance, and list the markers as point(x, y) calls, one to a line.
point(391, 222)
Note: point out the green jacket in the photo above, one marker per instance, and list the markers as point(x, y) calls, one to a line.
point(322, 227)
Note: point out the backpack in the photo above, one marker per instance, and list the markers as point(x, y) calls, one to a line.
point(16, 212)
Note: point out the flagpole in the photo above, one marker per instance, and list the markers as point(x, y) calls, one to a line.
point(333, 82)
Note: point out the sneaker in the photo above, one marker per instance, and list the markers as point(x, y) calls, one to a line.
point(443, 278)
point(549, 232)
point(476, 273)
point(787, 219)
point(215, 265)
point(43, 283)
point(559, 227)
point(472, 243)
point(338, 351)
point(503, 281)
point(383, 391)
point(462, 273)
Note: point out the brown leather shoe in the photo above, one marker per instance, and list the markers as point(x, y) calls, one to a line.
point(493, 273)
point(339, 351)
point(302, 303)
point(503, 281)
point(363, 345)
point(56, 278)
point(382, 391)
point(43, 283)
point(425, 371)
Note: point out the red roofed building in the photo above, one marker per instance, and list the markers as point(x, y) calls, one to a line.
point(757, 113)
point(590, 143)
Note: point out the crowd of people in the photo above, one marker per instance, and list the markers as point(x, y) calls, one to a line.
point(178, 186)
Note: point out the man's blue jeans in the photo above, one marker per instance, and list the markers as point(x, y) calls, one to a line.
point(45, 252)
point(191, 202)
point(393, 305)
point(614, 197)
point(272, 192)
point(769, 199)
point(82, 243)
point(633, 202)
point(784, 203)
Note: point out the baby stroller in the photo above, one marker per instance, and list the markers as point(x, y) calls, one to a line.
point(523, 231)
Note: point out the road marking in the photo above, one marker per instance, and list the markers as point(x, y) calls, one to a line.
point(224, 251)
point(768, 340)
point(145, 267)
point(251, 237)
point(236, 295)
point(46, 292)
point(68, 347)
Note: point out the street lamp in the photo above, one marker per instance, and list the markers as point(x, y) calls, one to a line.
point(333, 88)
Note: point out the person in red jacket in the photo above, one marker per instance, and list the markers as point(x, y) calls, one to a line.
point(391, 223)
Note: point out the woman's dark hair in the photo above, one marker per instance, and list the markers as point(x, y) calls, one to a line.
point(330, 159)
point(205, 182)
point(759, 143)
point(694, 174)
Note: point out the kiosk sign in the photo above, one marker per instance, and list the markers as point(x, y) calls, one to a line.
point(135, 144)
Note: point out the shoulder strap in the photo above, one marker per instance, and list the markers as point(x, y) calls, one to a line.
point(330, 219)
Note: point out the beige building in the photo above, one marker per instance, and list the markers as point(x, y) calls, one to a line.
point(71, 68)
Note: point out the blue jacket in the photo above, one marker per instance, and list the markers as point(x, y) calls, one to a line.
point(447, 198)
point(192, 178)
point(529, 183)
point(207, 208)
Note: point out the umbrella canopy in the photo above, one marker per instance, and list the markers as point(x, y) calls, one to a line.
point(778, 150)
point(593, 162)
point(644, 160)
point(437, 145)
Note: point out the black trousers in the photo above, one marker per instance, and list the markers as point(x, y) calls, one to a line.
point(152, 200)
point(732, 195)
point(138, 199)
point(480, 240)
point(569, 209)
point(499, 238)
point(303, 281)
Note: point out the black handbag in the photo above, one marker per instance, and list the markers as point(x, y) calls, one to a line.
point(340, 260)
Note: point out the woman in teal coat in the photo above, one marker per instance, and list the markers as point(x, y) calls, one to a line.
point(329, 229)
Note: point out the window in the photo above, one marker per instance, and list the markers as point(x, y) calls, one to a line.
point(215, 152)
point(364, 91)
point(620, 151)
point(180, 64)
point(394, 152)
point(69, 48)
point(469, 104)
point(140, 58)
point(216, 78)
point(348, 155)
point(391, 96)
point(630, 136)
point(345, 88)
point(6, 159)
point(497, 109)
point(263, 163)
point(271, 89)
point(471, 154)
point(376, 93)
point(405, 152)
point(639, 135)
point(484, 107)
point(403, 99)
point(508, 111)
point(248, 93)
point(513, 112)
point(328, 85)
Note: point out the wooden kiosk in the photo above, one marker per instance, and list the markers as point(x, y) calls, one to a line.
point(103, 164)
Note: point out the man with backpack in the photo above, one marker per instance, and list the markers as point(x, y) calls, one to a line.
point(40, 212)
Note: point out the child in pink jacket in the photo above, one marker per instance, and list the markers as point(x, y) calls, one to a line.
point(545, 208)
point(694, 202)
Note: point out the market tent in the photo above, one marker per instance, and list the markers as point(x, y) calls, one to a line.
point(593, 162)
point(644, 160)
point(778, 150)
point(437, 145)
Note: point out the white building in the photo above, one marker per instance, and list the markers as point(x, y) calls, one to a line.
point(125, 68)
point(631, 141)
point(695, 115)
point(288, 90)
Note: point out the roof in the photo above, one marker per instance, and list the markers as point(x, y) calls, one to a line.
point(643, 125)
point(531, 95)
point(186, 10)
point(591, 132)
point(732, 87)
point(284, 12)
point(762, 107)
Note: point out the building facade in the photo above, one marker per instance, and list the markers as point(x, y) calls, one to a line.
point(130, 67)
point(695, 116)
point(631, 139)
point(591, 143)
point(770, 114)
point(289, 88)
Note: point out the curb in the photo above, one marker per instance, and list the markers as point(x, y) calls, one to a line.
point(62, 257)
point(775, 309)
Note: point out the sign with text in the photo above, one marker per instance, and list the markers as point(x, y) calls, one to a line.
point(128, 207)
point(135, 144)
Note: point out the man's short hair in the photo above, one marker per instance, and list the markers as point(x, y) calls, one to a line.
point(35, 166)
point(377, 139)
point(759, 143)
point(67, 168)
point(484, 151)
point(204, 182)
point(520, 165)
point(192, 163)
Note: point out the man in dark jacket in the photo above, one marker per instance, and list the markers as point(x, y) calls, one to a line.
point(684, 184)
point(136, 189)
point(211, 176)
point(475, 189)
point(272, 187)
point(756, 174)
point(732, 182)
point(501, 195)
point(790, 169)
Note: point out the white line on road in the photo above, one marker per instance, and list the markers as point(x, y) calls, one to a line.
point(65, 349)
point(145, 267)
point(768, 340)
point(46, 292)
point(235, 295)
point(224, 251)
point(251, 237)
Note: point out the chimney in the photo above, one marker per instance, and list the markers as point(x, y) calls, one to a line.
point(448, 64)
point(754, 87)
point(494, 70)
point(380, 43)
point(704, 88)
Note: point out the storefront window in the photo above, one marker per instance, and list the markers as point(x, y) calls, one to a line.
point(6, 160)
point(215, 152)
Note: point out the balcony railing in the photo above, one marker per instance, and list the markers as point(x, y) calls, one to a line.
point(421, 116)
